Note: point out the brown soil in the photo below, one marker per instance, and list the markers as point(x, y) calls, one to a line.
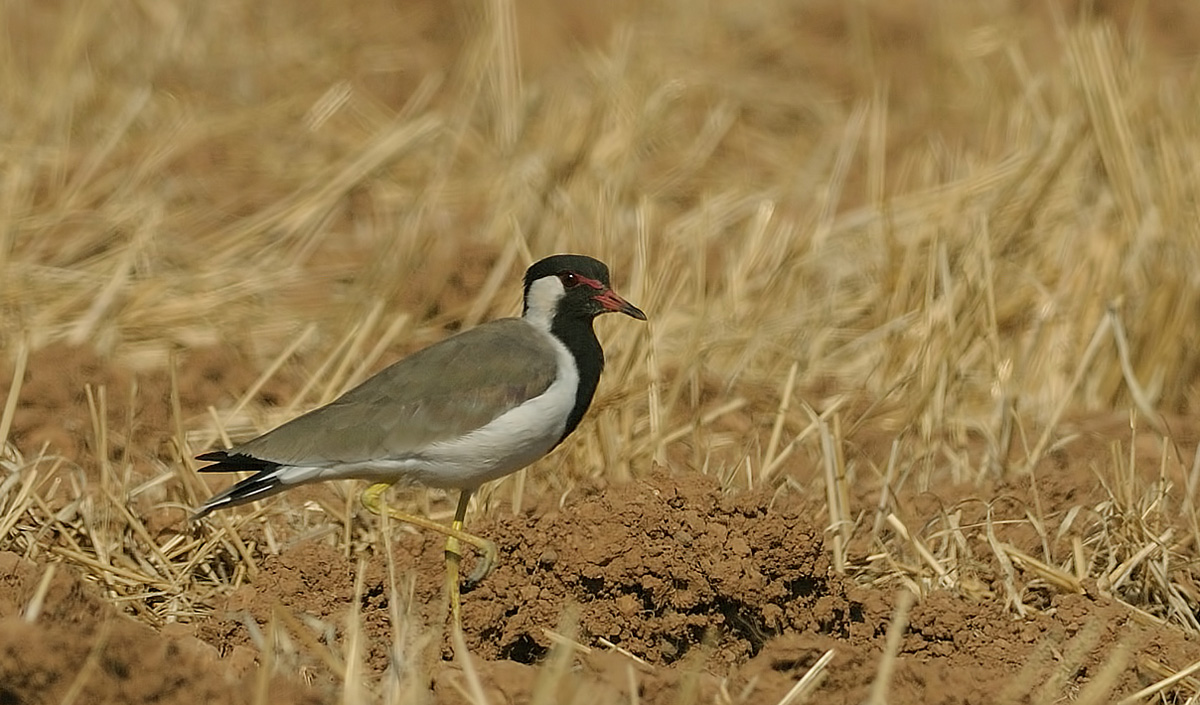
point(732, 592)
point(79, 648)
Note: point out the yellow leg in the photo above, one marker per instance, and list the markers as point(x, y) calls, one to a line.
point(454, 557)
point(372, 500)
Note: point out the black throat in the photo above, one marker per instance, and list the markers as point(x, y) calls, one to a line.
point(577, 334)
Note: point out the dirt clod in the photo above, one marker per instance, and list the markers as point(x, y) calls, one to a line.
point(657, 567)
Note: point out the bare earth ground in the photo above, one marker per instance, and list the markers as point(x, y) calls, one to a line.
point(694, 588)
point(947, 428)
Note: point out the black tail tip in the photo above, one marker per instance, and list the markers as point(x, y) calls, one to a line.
point(227, 461)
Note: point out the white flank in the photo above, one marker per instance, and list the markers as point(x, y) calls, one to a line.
point(508, 443)
point(513, 440)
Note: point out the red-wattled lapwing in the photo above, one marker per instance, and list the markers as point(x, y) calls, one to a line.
point(477, 406)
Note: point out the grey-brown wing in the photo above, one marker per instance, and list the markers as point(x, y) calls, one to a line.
point(440, 392)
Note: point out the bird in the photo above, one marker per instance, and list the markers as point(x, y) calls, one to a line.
point(474, 407)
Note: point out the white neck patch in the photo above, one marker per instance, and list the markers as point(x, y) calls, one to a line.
point(542, 301)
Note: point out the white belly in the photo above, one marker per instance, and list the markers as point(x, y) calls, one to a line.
point(508, 443)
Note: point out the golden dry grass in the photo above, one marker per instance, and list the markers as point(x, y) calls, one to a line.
point(944, 231)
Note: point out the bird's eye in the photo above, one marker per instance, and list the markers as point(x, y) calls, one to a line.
point(568, 279)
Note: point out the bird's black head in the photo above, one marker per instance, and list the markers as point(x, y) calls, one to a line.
point(574, 286)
